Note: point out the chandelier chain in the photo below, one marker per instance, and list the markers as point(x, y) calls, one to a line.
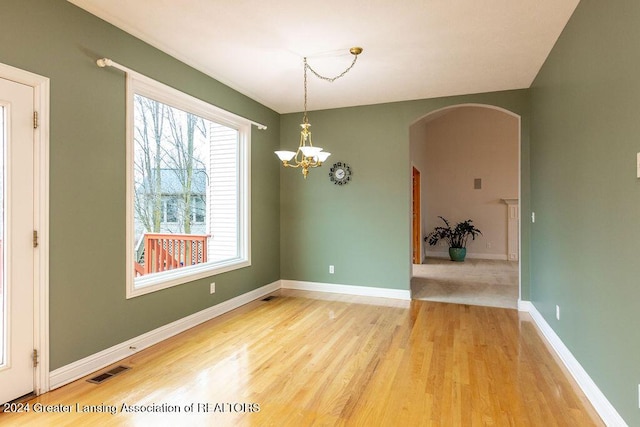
point(304, 118)
point(320, 76)
point(307, 156)
point(330, 79)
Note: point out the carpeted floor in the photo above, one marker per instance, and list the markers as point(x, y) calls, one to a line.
point(489, 283)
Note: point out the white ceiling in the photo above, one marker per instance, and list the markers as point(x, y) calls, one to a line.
point(413, 49)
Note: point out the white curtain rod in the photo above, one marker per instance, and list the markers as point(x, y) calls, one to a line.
point(106, 62)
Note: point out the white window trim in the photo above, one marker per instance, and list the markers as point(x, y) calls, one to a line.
point(141, 85)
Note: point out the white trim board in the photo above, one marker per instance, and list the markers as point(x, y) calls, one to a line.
point(525, 306)
point(97, 361)
point(603, 407)
point(347, 289)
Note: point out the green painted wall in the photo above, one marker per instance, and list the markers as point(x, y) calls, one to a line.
point(363, 228)
point(584, 139)
point(88, 309)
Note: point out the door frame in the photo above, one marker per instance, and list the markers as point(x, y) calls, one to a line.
point(40, 87)
point(518, 117)
point(416, 226)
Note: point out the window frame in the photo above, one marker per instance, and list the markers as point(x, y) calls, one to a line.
point(144, 86)
point(198, 203)
point(165, 209)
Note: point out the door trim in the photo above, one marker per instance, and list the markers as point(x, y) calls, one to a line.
point(416, 226)
point(40, 87)
point(520, 141)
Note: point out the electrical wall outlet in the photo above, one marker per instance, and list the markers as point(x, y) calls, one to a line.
point(533, 217)
point(212, 288)
point(558, 312)
point(331, 269)
point(488, 245)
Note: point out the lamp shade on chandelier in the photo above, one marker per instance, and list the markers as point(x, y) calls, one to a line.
point(307, 155)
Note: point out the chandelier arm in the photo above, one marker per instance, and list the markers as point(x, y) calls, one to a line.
point(298, 162)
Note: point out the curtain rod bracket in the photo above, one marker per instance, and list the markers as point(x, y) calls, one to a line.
point(106, 62)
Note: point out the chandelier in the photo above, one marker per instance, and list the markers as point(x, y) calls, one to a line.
point(310, 156)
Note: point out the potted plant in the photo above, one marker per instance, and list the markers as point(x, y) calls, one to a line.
point(456, 237)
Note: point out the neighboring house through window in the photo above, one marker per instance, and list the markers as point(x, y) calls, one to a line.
point(173, 209)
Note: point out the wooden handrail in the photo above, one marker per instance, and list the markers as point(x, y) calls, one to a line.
point(139, 269)
point(166, 251)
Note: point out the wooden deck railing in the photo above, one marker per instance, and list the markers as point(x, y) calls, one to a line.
point(164, 252)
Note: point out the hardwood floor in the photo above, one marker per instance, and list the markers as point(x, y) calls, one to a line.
point(306, 359)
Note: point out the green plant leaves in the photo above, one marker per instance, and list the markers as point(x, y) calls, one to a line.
point(456, 237)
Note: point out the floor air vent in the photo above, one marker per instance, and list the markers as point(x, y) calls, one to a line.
point(99, 379)
point(269, 298)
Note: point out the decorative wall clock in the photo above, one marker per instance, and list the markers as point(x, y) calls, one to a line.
point(340, 173)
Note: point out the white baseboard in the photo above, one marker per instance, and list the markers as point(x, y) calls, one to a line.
point(347, 289)
point(501, 257)
point(525, 306)
point(603, 407)
point(97, 361)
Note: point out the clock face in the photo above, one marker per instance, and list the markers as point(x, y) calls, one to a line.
point(340, 173)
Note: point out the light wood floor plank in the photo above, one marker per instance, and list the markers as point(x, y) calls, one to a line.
point(310, 359)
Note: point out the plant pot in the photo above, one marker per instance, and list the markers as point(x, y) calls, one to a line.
point(457, 254)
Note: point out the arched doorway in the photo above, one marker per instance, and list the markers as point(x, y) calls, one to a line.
point(468, 157)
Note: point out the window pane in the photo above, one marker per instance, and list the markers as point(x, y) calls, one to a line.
point(186, 181)
point(199, 210)
point(171, 210)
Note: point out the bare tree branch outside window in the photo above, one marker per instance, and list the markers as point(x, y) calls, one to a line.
point(170, 167)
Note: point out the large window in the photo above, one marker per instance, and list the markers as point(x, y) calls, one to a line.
point(188, 188)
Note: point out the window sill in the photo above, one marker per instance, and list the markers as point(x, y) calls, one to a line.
point(156, 282)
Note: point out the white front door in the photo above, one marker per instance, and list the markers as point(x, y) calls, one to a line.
point(16, 240)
